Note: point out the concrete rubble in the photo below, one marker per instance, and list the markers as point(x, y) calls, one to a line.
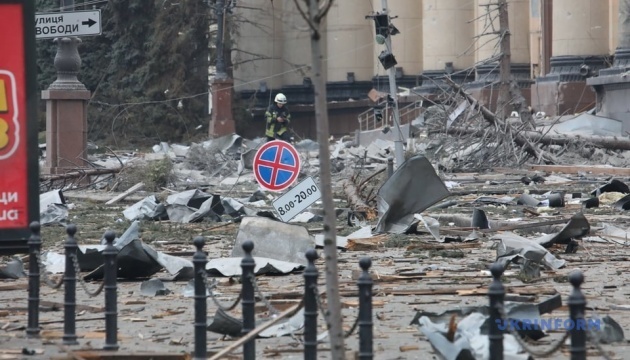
point(457, 205)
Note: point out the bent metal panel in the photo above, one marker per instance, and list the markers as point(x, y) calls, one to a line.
point(19, 172)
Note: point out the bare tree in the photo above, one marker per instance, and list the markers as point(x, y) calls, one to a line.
point(315, 13)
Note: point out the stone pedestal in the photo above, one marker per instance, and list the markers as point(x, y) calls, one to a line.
point(66, 130)
point(222, 122)
point(564, 90)
point(613, 92)
point(66, 112)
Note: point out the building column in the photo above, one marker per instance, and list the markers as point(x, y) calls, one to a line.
point(580, 49)
point(258, 69)
point(612, 86)
point(485, 86)
point(450, 52)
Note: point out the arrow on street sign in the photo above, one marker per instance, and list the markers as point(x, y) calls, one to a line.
point(89, 23)
point(74, 23)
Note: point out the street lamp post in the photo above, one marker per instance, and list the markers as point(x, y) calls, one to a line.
point(393, 90)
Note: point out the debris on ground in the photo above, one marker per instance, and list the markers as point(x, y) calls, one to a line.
point(539, 198)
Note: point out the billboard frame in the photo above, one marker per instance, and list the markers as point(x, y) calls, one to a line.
point(14, 240)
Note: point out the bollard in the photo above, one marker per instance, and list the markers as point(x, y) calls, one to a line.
point(310, 306)
point(70, 289)
point(496, 293)
point(577, 307)
point(35, 245)
point(199, 262)
point(248, 300)
point(390, 167)
point(110, 269)
point(365, 310)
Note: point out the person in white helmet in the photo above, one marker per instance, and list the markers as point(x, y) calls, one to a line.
point(278, 120)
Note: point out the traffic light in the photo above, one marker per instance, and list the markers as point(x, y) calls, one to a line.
point(381, 23)
point(387, 59)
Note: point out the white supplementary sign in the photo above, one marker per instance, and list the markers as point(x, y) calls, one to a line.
point(297, 199)
point(75, 23)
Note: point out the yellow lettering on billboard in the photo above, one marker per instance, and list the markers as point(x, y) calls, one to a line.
point(4, 133)
point(4, 106)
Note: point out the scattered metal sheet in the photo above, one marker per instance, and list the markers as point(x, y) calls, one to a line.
point(14, 269)
point(623, 203)
point(232, 266)
point(515, 248)
point(204, 211)
point(614, 234)
point(610, 331)
point(410, 190)
point(247, 160)
point(224, 324)
point(479, 219)
point(90, 257)
point(306, 217)
point(431, 224)
point(54, 214)
point(613, 186)
point(53, 208)
point(468, 343)
point(527, 200)
point(138, 260)
point(189, 289)
point(273, 239)
point(555, 200)
point(591, 203)
point(230, 144)
point(342, 241)
point(148, 208)
point(191, 198)
point(153, 287)
point(180, 268)
point(51, 197)
point(55, 263)
point(295, 323)
point(577, 227)
point(235, 208)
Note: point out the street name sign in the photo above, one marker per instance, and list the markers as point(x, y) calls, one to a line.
point(297, 199)
point(19, 168)
point(73, 23)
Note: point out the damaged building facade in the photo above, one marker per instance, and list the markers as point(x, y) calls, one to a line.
point(556, 47)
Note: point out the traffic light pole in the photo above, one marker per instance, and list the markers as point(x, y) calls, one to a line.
point(399, 153)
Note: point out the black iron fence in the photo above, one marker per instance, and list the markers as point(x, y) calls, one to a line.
point(312, 303)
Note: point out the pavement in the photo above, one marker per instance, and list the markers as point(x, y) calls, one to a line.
point(163, 325)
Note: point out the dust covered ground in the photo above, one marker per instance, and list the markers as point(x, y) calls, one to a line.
point(412, 272)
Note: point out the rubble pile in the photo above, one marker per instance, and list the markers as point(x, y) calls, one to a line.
point(539, 208)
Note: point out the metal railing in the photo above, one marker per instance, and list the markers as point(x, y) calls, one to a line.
point(368, 120)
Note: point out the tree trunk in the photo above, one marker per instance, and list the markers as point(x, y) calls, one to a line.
point(604, 142)
point(505, 66)
point(334, 319)
point(510, 97)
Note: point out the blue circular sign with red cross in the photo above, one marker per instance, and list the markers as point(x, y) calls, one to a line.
point(276, 165)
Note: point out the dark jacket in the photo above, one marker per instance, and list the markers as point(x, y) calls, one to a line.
point(274, 127)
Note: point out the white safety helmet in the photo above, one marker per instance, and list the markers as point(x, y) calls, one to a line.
point(281, 99)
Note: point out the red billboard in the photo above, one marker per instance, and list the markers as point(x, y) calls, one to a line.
point(19, 175)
